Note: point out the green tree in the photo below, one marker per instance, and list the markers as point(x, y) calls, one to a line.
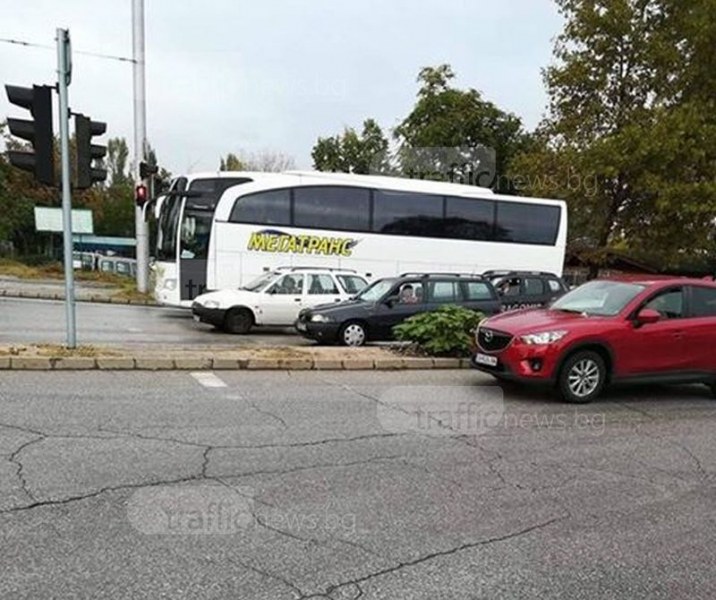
point(116, 162)
point(630, 140)
point(445, 117)
point(231, 163)
point(353, 152)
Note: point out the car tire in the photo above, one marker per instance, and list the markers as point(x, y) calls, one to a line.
point(582, 377)
point(238, 320)
point(353, 334)
point(712, 385)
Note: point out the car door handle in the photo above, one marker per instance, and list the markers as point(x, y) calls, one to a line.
point(297, 299)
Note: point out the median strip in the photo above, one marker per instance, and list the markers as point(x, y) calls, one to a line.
point(112, 358)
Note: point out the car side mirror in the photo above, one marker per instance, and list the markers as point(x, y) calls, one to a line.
point(391, 301)
point(648, 316)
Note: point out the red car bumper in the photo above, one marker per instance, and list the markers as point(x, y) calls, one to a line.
point(523, 362)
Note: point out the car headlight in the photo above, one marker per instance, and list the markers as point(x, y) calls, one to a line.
point(211, 304)
point(543, 338)
point(320, 319)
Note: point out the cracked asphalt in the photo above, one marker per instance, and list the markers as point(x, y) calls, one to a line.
point(343, 485)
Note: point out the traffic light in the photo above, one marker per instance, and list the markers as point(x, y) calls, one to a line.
point(41, 162)
point(146, 170)
point(87, 152)
point(140, 194)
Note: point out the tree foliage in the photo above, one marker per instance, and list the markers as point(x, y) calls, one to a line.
point(448, 117)
point(264, 160)
point(630, 140)
point(112, 203)
point(353, 152)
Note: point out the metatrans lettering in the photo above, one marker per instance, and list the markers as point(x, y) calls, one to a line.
point(279, 242)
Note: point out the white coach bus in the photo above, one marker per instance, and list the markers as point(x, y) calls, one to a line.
point(221, 230)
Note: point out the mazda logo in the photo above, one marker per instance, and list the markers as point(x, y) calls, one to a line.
point(488, 336)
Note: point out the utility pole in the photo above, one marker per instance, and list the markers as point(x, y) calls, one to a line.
point(64, 74)
point(140, 141)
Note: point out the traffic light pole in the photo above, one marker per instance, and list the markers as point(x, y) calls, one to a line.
point(63, 80)
point(140, 141)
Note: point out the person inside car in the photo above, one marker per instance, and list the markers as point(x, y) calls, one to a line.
point(407, 295)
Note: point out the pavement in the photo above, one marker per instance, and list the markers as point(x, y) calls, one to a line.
point(43, 321)
point(403, 485)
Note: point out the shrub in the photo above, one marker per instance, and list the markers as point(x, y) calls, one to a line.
point(447, 331)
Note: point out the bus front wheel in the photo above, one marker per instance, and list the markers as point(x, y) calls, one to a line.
point(238, 320)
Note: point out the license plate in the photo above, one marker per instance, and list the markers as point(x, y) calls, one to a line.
point(484, 359)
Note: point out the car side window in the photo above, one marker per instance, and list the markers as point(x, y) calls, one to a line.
point(554, 285)
point(510, 287)
point(703, 302)
point(534, 286)
point(443, 292)
point(476, 290)
point(288, 285)
point(411, 293)
point(321, 284)
point(669, 304)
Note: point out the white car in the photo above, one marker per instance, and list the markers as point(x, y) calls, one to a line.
point(275, 298)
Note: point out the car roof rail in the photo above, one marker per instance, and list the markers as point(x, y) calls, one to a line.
point(506, 272)
point(288, 268)
point(425, 274)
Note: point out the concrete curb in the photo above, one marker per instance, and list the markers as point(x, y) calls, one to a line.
point(209, 363)
point(92, 298)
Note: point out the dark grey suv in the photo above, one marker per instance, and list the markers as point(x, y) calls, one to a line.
point(372, 314)
point(526, 289)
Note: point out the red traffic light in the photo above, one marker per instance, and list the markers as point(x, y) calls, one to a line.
point(140, 194)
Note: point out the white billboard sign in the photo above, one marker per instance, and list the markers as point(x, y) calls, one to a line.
point(50, 219)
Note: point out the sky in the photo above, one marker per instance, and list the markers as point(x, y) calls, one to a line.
point(274, 75)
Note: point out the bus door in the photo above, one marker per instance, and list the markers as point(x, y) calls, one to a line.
point(195, 231)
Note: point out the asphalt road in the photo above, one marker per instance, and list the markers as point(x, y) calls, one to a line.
point(43, 321)
point(415, 485)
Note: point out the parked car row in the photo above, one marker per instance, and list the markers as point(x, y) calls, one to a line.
point(536, 332)
point(338, 305)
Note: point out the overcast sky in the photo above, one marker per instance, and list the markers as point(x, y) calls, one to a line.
point(231, 75)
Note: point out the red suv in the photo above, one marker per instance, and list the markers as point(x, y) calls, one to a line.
point(607, 332)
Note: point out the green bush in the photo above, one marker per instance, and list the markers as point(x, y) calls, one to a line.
point(447, 331)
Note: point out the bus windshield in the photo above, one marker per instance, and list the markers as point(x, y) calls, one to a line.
point(167, 228)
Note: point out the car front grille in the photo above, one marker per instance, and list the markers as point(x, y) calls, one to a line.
point(491, 340)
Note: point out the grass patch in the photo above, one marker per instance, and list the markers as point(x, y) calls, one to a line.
point(55, 270)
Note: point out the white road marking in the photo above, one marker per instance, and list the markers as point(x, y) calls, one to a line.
point(208, 380)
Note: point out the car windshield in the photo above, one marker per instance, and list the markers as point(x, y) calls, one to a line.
point(602, 298)
point(259, 282)
point(376, 290)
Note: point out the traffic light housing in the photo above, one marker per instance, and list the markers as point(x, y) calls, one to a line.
point(146, 170)
point(41, 162)
point(87, 152)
